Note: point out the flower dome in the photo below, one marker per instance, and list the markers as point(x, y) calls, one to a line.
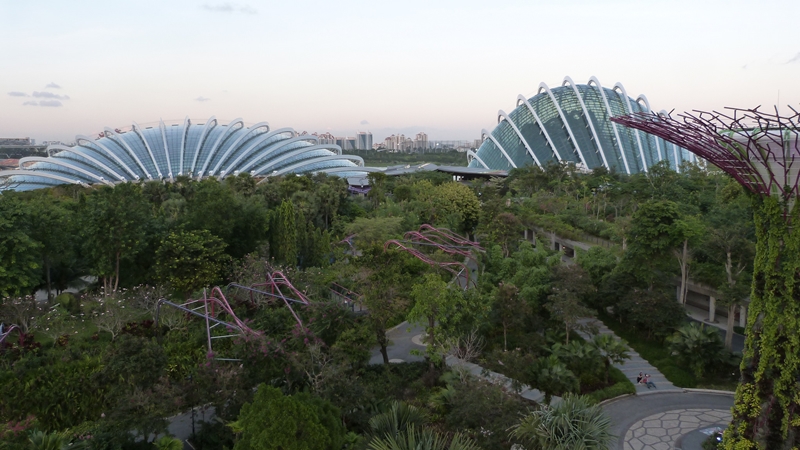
point(164, 152)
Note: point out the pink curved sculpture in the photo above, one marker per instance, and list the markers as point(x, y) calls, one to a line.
point(4, 333)
point(447, 265)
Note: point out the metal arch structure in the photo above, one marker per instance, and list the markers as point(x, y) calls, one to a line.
point(636, 132)
point(112, 155)
point(642, 101)
point(521, 98)
point(543, 86)
point(200, 142)
point(258, 141)
point(568, 80)
point(65, 165)
point(184, 134)
point(30, 173)
point(290, 154)
point(117, 139)
point(163, 129)
point(602, 91)
point(502, 115)
point(352, 158)
point(109, 171)
point(477, 158)
point(274, 148)
point(222, 136)
point(485, 134)
point(138, 132)
point(235, 145)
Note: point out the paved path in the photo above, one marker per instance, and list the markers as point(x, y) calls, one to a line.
point(401, 342)
point(666, 420)
point(634, 365)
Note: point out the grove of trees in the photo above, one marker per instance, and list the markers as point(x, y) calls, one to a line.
point(94, 369)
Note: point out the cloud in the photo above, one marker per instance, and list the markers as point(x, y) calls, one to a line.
point(47, 103)
point(229, 8)
point(52, 85)
point(201, 99)
point(38, 94)
point(364, 122)
point(17, 94)
point(796, 59)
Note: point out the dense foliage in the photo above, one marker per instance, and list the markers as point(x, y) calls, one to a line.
point(94, 367)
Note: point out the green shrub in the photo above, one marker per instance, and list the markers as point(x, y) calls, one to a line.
point(678, 376)
point(738, 330)
point(70, 302)
point(616, 390)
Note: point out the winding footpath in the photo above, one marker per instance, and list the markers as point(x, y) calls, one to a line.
point(664, 418)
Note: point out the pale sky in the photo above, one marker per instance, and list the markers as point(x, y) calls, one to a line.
point(443, 67)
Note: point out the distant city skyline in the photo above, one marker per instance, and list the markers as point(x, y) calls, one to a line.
point(443, 68)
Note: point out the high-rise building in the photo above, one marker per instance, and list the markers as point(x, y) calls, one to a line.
point(363, 140)
point(421, 141)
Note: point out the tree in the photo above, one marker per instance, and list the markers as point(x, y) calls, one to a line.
point(689, 231)
point(423, 439)
point(573, 423)
point(730, 246)
point(383, 278)
point(283, 242)
point(653, 235)
point(436, 303)
point(396, 419)
point(51, 226)
point(697, 346)
point(458, 200)
point(510, 308)
point(505, 229)
point(274, 421)
point(612, 350)
point(19, 264)
point(114, 221)
point(552, 377)
point(190, 260)
point(565, 305)
point(377, 184)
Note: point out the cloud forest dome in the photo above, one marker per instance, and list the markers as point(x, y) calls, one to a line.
point(571, 123)
point(164, 152)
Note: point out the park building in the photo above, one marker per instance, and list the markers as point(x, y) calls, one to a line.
point(570, 123)
point(161, 151)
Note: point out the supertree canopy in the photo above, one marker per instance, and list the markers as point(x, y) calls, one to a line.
point(762, 152)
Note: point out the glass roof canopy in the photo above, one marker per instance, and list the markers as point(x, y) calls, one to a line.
point(570, 123)
point(162, 152)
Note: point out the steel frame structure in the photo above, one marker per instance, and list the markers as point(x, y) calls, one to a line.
point(208, 304)
point(759, 150)
point(442, 239)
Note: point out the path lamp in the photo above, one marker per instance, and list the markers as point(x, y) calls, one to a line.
point(761, 151)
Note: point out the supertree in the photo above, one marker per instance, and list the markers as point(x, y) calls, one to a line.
point(761, 151)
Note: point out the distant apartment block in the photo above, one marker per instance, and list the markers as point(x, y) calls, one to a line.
point(363, 140)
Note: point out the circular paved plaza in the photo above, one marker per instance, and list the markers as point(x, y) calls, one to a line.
point(660, 421)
